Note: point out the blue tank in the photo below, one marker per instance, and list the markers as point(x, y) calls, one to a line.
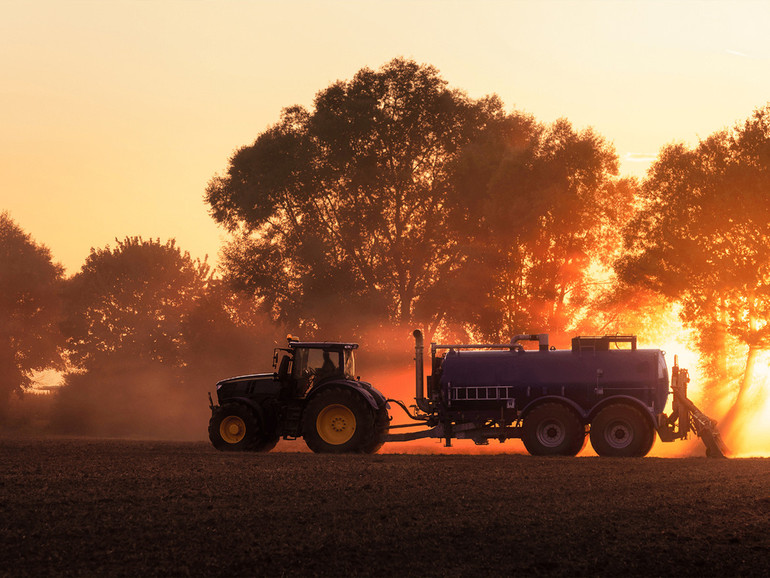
point(603, 388)
point(488, 380)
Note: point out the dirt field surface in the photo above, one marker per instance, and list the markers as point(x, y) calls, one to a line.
point(123, 508)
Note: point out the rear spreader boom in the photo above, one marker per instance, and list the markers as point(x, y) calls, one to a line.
point(686, 417)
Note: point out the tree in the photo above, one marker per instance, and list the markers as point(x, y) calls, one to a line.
point(341, 213)
point(703, 237)
point(29, 309)
point(539, 207)
point(130, 303)
point(149, 331)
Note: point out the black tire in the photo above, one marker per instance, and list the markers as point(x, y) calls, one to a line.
point(381, 427)
point(553, 429)
point(339, 420)
point(266, 444)
point(234, 428)
point(648, 444)
point(621, 431)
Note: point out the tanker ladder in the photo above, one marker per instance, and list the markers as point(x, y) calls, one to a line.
point(688, 417)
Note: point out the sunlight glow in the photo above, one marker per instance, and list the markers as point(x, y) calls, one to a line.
point(749, 436)
point(116, 114)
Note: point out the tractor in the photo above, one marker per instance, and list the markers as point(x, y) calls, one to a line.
point(312, 393)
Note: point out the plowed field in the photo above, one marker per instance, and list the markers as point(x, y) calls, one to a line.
point(123, 508)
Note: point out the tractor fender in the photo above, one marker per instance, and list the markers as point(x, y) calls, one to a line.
point(376, 393)
point(558, 399)
point(367, 392)
point(627, 400)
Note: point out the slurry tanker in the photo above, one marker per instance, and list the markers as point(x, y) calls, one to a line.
point(603, 388)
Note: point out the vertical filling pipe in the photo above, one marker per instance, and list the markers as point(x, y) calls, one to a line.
point(418, 370)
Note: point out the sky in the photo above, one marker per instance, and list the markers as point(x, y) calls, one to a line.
point(114, 115)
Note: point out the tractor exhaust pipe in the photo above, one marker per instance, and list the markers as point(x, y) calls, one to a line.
point(419, 347)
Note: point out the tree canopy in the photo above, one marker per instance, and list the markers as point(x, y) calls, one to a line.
point(539, 207)
point(342, 212)
point(148, 332)
point(29, 308)
point(131, 302)
point(703, 234)
point(395, 191)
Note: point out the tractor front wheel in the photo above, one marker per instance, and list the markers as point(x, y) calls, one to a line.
point(234, 427)
point(339, 420)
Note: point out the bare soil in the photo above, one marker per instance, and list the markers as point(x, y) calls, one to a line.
point(126, 508)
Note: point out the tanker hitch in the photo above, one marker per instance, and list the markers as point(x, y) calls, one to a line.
point(416, 416)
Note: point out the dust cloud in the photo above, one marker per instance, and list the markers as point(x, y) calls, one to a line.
point(140, 404)
point(158, 403)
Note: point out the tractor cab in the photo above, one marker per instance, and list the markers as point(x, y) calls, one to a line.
point(306, 364)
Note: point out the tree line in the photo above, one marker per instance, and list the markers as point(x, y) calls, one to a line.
point(397, 201)
point(139, 333)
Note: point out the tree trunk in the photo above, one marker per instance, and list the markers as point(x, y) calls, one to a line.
point(730, 420)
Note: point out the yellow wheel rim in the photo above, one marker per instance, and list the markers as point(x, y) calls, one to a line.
point(232, 429)
point(336, 424)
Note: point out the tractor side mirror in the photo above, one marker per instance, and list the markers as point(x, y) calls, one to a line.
point(283, 370)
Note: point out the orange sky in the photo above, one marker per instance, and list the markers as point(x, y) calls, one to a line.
point(114, 115)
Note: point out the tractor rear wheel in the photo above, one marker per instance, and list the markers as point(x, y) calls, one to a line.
point(381, 428)
point(266, 444)
point(234, 427)
point(339, 420)
point(621, 431)
point(553, 429)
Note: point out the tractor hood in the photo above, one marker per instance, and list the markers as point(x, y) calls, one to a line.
point(250, 377)
point(250, 386)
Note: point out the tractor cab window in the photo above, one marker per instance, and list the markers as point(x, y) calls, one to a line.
point(324, 363)
point(300, 363)
point(349, 357)
point(312, 365)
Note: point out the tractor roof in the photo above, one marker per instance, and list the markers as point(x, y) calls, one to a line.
point(323, 345)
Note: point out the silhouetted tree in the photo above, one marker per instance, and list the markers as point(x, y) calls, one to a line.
point(703, 237)
point(131, 302)
point(149, 331)
point(29, 309)
point(539, 207)
point(341, 214)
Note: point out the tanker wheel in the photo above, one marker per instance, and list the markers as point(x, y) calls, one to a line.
point(235, 428)
point(621, 431)
point(339, 420)
point(553, 429)
point(648, 443)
